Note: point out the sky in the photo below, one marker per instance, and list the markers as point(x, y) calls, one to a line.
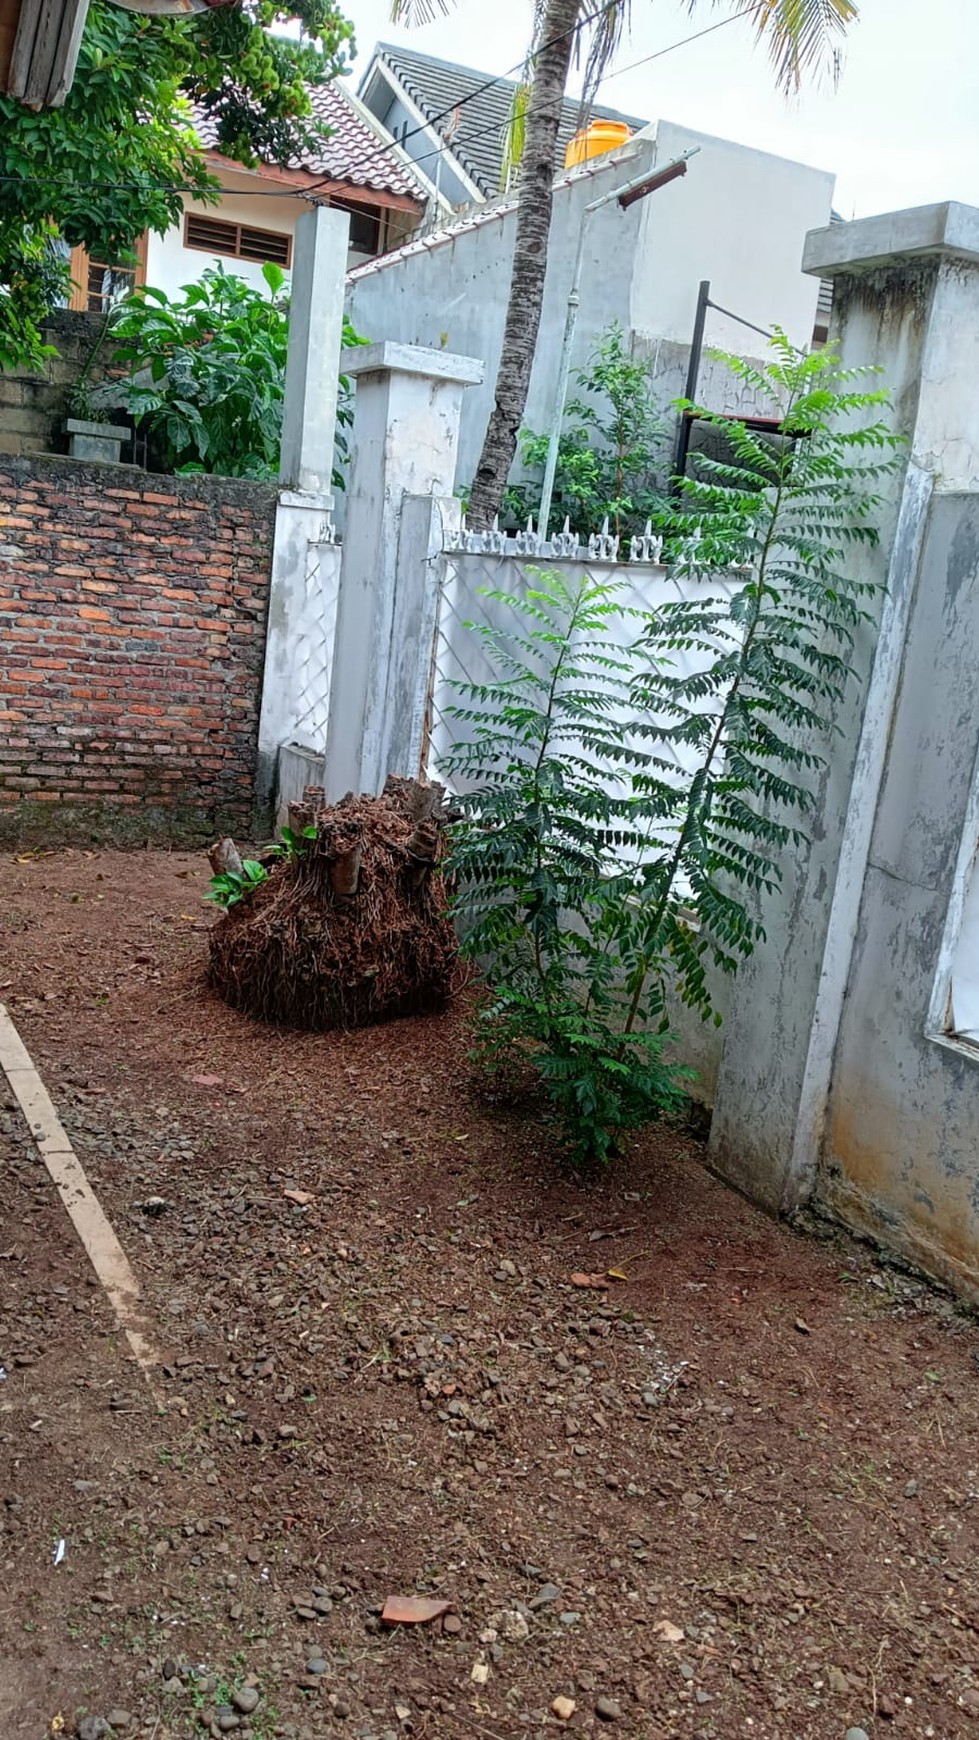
point(900, 129)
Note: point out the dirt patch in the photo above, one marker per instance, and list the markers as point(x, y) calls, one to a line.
point(734, 1492)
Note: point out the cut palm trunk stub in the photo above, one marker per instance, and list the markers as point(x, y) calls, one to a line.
point(350, 929)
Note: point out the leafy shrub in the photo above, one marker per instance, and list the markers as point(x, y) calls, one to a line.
point(612, 454)
point(630, 788)
point(546, 860)
point(207, 373)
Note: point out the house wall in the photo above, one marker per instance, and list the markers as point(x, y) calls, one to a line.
point(170, 265)
point(738, 217)
point(132, 632)
point(393, 113)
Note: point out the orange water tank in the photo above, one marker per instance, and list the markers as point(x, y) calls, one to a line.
point(595, 140)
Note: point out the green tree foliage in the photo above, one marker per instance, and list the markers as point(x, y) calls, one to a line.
point(110, 163)
point(207, 373)
point(628, 812)
point(613, 450)
point(33, 276)
point(546, 858)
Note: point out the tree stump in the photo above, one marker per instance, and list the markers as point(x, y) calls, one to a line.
point(352, 928)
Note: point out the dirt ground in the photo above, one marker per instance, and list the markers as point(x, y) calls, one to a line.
point(735, 1493)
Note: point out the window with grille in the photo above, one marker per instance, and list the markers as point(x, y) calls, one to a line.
point(96, 283)
point(212, 235)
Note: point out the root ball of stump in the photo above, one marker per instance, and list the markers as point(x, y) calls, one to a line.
point(352, 929)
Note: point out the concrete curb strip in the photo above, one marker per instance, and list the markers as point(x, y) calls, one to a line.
point(104, 1251)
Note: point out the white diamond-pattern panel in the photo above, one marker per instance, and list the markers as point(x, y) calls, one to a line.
point(463, 657)
point(314, 635)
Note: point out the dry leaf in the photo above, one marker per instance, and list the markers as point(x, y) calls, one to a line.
point(669, 1632)
point(208, 1080)
point(299, 1196)
point(412, 1610)
point(581, 1280)
point(802, 1326)
point(617, 1275)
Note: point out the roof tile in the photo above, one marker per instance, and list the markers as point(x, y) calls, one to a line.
point(358, 150)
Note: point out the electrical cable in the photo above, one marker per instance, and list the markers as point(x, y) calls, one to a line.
point(325, 181)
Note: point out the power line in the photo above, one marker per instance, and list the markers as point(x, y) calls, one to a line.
point(497, 126)
point(758, 6)
point(326, 181)
point(496, 79)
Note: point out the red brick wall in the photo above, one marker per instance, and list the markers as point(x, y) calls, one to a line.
point(132, 636)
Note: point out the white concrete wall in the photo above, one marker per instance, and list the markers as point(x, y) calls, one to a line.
point(738, 217)
point(170, 265)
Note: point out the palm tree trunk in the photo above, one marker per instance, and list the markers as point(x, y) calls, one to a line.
point(557, 34)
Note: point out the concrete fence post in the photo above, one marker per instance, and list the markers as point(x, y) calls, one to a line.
point(405, 442)
point(309, 412)
point(906, 300)
point(303, 512)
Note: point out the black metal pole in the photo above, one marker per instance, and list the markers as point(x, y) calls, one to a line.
point(693, 376)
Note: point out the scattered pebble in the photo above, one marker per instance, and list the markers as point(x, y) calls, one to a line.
point(513, 1626)
point(564, 1708)
point(608, 1710)
point(857, 1734)
point(92, 1728)
point(246, 1699)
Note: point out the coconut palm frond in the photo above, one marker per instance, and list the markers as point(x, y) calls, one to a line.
point(515, 137)
point(604, 40)
point(802, 36)
point(412, 12)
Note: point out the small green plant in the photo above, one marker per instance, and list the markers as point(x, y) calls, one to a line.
point(291, 845)
point(229, 886)
point(80, 400)
point(631, 788)
point(612, 455)
point(207, 373)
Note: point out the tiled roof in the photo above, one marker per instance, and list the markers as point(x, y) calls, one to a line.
point(358, 151)
point(436, 86)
